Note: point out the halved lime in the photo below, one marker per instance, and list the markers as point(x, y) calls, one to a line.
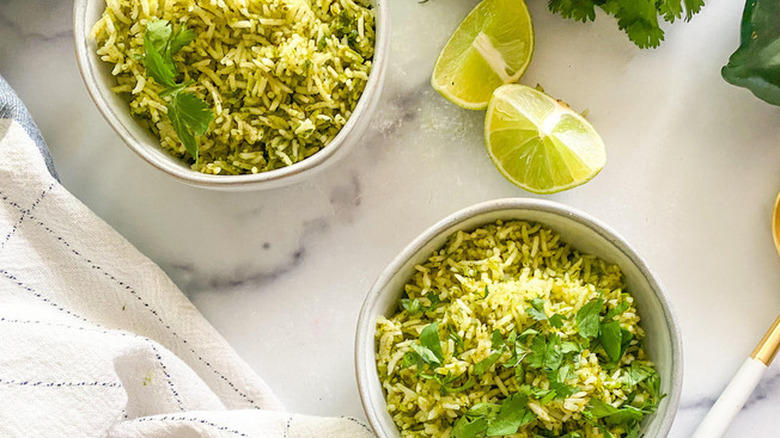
point(491, 47)
point(539, 143)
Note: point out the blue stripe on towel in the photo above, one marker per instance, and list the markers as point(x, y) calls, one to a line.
point(13, 108)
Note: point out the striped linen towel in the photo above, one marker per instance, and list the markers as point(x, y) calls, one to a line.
point(95, 340)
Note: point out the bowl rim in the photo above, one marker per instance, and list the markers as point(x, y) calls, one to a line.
point(87, 63)
point(365, 320)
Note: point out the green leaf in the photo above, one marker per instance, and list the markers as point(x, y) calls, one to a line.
point(465, 428)
point(611, 340)
point(487, 410)
point(546, 352)
point(514, 414)
point(624, 416)
point(634, 432)
point(639, 19)
point(536, 311)
point(176, 88)
point(482, 366)
point(548, 397)
point(515, 359)
point(527, 333)
point(498, 346)
point(580, 10)
point(538, 352)
point(456, 339)
point(429, 338)
point(570, 347)
point(638, 373)
point(189, 116)
point(434, 299)
point(497, 340)
point(617, 310)
point(426, 354)
point(562, 390)
point(558, 387)
point(450, 389)
point(588, 318)
point(556, 320)
point(600, 409)
point(554, 356)
point(653, 385)
point(520, 372)
point(412, 359)
point(411, 306)
point(182, 38)
point(163, 72)
point(692, 7)
point(625, 340)
point(157, 35)
point(670, 9)
point(159, 65)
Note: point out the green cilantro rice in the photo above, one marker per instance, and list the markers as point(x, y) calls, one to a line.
point(507, 331)
point(282, 76)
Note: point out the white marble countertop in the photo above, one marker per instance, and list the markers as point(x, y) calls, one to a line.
point(693, 169)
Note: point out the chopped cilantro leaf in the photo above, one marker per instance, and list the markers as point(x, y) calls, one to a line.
point(482, 366)
point(588, 318)
point(429, 339)
point(611, 340)
point(182, 38)
point(617, 310)
point(465, 428)
point(497, 340)
point(190, 117)
point(546, 353)
point(426, 354)
point(514, 414)
point(624, 415)
point(536, 311)
point(411, 306)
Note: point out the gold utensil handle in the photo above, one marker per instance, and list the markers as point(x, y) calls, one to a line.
point(767, 349)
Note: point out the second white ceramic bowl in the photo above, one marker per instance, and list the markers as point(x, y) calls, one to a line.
point(588, 235)
point(98, 79)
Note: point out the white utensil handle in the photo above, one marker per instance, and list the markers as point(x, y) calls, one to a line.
point(731, 401)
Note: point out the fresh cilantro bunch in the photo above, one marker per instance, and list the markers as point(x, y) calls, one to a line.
point(639, 19)
point(190, 116)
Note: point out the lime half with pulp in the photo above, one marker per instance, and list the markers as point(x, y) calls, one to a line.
point(539, 143)
point(491, 47)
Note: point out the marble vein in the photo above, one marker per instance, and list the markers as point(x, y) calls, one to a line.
point(10, 24)
point(345, 200)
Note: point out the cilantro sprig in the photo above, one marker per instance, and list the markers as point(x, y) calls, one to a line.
point(190, 116)
point(639, 19)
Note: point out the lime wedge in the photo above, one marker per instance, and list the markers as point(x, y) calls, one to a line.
point(539, 143)
point(491, 47)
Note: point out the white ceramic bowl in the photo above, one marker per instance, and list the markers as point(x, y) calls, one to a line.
point(581, 231)
point(98, 78)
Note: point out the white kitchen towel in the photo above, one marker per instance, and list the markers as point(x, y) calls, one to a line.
point(95, 340)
